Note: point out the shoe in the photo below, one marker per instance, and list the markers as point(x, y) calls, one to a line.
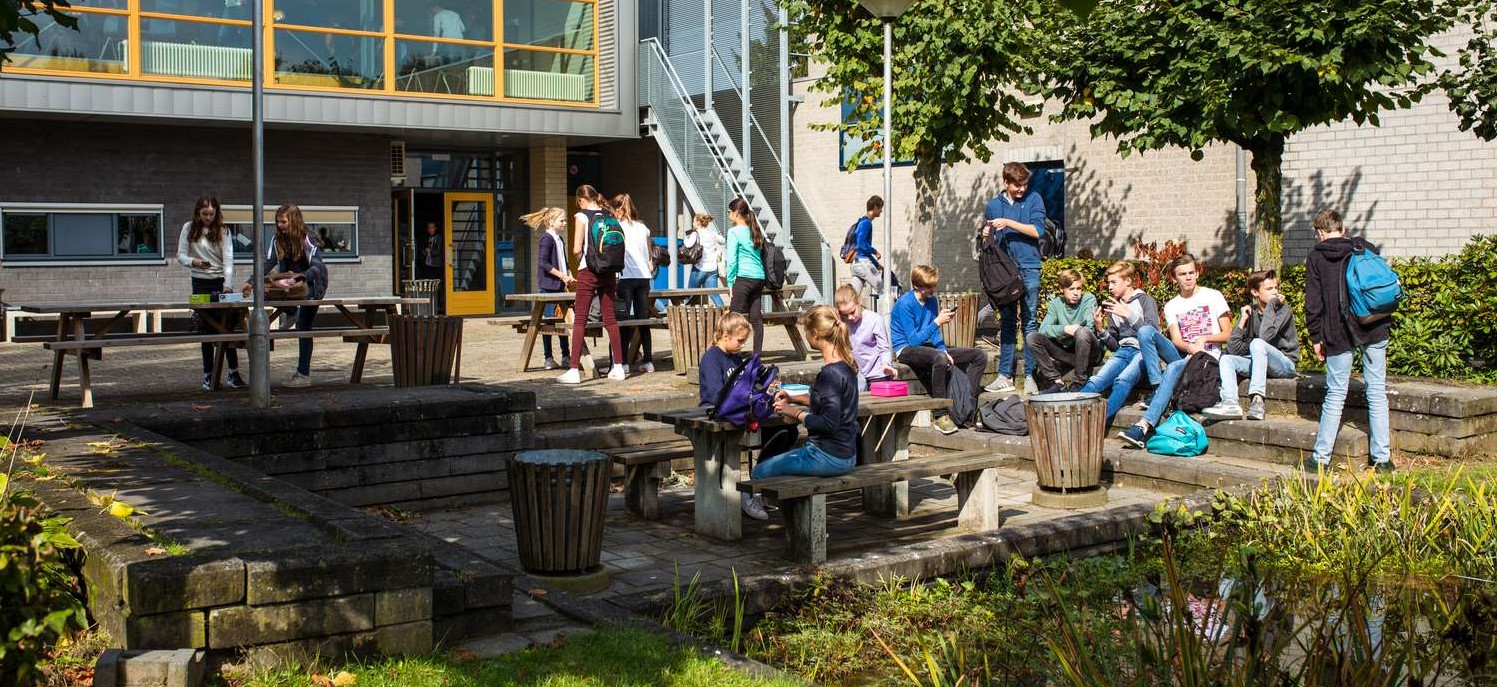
point(1255, 409)
point(989, 339)
point(1000, 385)
point(646, 367)
point(1054, 389)
point(1142, 405)
point(235, 381)
point(299, 381)
point(1134, 435)
point(753, 506)
point(551, 364)
point(207, 382)
point(1313, 466)
point(1383, 467)
point(571, 376)
point(945, 424)
point(618, 373)
point(1030, 388)
point(1224, 410)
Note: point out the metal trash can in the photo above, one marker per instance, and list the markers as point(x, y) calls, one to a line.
point(426, 350)
point(560, 498)
point(1066, 432)
point(421, 288)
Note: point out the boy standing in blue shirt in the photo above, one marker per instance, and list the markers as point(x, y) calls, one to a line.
point(1016, 218)
point(915, 331)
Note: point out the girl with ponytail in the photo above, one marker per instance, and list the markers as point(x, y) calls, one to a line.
point(745, 267)
point(591, 205)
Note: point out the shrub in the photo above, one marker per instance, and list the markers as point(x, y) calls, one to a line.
point(38, 594)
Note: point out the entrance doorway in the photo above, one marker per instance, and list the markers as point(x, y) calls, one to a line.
point(469, 263)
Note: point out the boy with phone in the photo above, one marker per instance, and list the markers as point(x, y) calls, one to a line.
point(915, 331)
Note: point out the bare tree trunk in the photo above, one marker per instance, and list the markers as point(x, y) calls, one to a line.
point(923, 229)
point(1268, 222)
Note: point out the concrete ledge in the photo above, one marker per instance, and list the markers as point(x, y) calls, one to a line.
point(162, 668)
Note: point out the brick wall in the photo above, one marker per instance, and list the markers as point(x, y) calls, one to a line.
point(83, 162)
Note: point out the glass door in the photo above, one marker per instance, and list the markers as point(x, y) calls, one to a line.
point(405, 237)
point(470, 263)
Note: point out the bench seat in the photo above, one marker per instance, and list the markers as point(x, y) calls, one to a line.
point(111, 341)
point(644, 467)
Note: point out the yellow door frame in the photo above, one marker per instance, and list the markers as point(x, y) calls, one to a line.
point(469, 302)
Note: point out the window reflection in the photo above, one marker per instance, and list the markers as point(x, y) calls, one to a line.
point(97, 46)
point(466, 19)
point(191, 49)
point(551, 23)
point(538, 75)
point(309, 58)
point(354, 15)
point(423, 67)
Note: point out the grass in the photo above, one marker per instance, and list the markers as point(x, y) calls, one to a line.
point(607, 657)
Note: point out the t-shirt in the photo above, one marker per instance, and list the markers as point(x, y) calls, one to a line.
point(1198, 316)
point(637, 263)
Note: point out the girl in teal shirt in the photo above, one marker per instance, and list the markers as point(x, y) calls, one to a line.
point(745, 267)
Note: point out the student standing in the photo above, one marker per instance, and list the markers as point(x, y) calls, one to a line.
point(1017, 219)
point(866, 269)
point(634, 281)
point(915, 331)
point(869, 337)
point(207, 249)
point(590, 284)
point(1263, 344)
point(552, 273)
point(704, 272)
point(745, 267)
point(294, 254)
point(1337, 336)
point(1068, 337)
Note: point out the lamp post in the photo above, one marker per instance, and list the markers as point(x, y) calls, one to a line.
point(888, 11)
point(259, 324)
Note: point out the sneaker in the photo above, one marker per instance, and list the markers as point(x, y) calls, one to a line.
point(207, 382)
point(989, 339)
point(235, 381)
point(1224, 410)
point(1313, 466)
point(1383, 467)
point(753, 506)
point(1054, 389)
point(1030, 388)
point(1000, 385)
point(945, 424)
point(618, 373)
point(1134, 435)
point(551, 364)
point(571, 376)
point(646, 367)
point(1255, 409)
point(1142, 405)
point(299, 380)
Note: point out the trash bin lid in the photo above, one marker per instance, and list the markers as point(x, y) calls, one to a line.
point(559, 457)
point(1069, 397)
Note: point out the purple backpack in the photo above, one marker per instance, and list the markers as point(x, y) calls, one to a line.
point(745, 398)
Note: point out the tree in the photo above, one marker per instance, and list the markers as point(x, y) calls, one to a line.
point(1190, 73)
point(1473, 86)
point(15, 16)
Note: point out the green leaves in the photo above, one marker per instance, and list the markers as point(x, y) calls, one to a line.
point(15, 18)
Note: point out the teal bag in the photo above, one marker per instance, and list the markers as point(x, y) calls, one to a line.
point(1178, 435)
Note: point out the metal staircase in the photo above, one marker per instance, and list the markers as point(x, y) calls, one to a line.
point(711, 171)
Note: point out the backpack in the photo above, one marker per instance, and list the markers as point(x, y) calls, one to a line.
point(849, 249)
point(1372, 287)
point(745, 398)
point(1004, 416)
point(1200, 385)
point(692, 254)
point(1178, 435)
point(776, 265)
point(1001, 281)
point(963, 401)
point(605, 243)
point(1053, 241)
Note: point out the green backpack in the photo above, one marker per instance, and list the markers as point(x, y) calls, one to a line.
point(605, 243)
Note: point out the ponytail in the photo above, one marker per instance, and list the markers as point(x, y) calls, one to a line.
point(822, 322)
point(741, 207)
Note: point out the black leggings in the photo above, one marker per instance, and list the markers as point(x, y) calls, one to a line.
point(214, 323)
point(634, 302)
point(748, 298)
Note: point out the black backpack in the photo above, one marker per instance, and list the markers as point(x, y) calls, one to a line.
point(776, 265)
point(1053, 241)
point(1005, 416)
point(849, 249)
point(1200, 385)
point(1001, 281)
point(963, 400)
point(605, 243)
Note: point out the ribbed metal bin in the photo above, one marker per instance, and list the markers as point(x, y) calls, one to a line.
point(560, 498)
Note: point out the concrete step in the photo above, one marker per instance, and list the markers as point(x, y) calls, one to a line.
point(1276, 439)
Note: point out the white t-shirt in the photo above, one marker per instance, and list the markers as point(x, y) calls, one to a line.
point(637, 263)
point(712, 247)
point(1198, 316)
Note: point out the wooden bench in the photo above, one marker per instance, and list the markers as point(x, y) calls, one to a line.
point(555, 326)
point(354, 334)
point(644, 468)
point(804, 498)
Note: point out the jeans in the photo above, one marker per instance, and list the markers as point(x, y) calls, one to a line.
point(865, 273)
point(1121, 372)
point(1155, 347)
point(1375, 379)
point(933, 368)
point(634, 302)
point(566, 347)
point(806, 460)
point(704, 280)
point(214, 323)
point(1009, 326)
point(748, 298)
point(606, 288)
point(1265, 361)
point(305, 316)
point(1165, 393)
point(1052, 358)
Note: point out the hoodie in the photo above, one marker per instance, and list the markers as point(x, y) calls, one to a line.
point(1123, 332)
point(1327, 314)
point(1274, 324)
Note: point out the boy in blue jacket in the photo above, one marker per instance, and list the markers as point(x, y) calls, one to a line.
point(915, 331)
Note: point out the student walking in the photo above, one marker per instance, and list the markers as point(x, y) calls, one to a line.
point(552, 273)
point(1263, 344)
point(207, 249)
point(294, 256)
point(592, 284)
point(745, 267)
point(915, 331)
point(704, 274)
point(865, 268)
point(1337, 336)
point(634, 282)
point(1067, 340)
point(1016, 219)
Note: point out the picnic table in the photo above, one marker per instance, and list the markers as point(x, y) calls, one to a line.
point(717, 449)
point(75, 336)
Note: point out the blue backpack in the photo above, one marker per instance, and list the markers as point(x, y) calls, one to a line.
point(1178, 435)
point(1372, 287)
point(745, 398)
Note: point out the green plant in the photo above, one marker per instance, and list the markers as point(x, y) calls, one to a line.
point(38, 595)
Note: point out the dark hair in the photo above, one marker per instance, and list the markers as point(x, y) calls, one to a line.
point(874, 202)
point(1328, 222)
point(215, 228)
point(1256, 279)
point(1015, 173)
point(1178, 262)
point(586, 192)
point(741, 207)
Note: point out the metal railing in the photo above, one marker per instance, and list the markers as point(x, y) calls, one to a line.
point(705, 174)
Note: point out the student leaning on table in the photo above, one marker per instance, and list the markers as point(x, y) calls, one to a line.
point(294, 256)
point(206, 247)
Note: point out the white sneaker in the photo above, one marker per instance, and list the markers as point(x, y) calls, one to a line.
point(753, 506)
point(646, 367)
point(1030, 388)
point(1224, 410)
point(571, 376)
point(1000, 385)
point(618, 373)
point(299, 380)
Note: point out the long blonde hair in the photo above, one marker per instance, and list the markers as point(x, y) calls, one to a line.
point(623, 208)
point(822, 324)
point(542, 218)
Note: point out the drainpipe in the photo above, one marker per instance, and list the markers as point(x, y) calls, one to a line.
point(707, 53)
point(784, 63)
point(1242, 205)
point(671, 210)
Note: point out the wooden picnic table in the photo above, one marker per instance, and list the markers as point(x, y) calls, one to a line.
point(75, 337)
point(717, 449)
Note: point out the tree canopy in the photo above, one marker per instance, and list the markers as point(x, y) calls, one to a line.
point(16, 17)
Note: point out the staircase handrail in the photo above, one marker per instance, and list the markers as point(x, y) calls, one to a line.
point(684, 97)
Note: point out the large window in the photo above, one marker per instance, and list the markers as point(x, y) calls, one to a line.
point(530, 50)
point(44, 233)
point(336, 229)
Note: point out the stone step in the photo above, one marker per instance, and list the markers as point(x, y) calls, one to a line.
point(586, 411)
point(1276, 439)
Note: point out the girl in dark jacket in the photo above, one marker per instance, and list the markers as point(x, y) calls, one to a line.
point(294, 256)
point(552, 273)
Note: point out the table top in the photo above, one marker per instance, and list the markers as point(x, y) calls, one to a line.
point(74, 307)
point(868, 406)
point(568, 296)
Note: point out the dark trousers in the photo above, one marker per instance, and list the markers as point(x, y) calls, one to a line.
point(933, 368)
point(566, 347)
point(214, 323)
point(634, 302)
point(305, 316)
point(605, 287)
point(1053, 358)
point(748, 298)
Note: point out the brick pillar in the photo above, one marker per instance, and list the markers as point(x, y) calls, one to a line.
point(548, 184)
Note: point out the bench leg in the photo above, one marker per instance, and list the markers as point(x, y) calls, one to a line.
point(642, 489)
point(716, 458)
point(805, 529)
point(887, 439)
point(977, 500)
point(85, 380)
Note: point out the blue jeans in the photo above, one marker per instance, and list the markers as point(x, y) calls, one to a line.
point(1162, 395)
point(704, 280)
point(305, 316)
point(1263, 361)
point(1009, 324)
point(1120, 373)
point(1156, 348)
point(806, 460)
point(566, 346)
point(1375, 379)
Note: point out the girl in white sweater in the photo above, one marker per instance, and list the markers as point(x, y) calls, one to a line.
point(207, 249)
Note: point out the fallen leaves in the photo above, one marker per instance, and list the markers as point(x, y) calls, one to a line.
point(464, 656)
point(342, 679)
point(155, 551)
point(120, 509)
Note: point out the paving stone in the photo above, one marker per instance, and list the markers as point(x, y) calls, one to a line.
point(324, 571)
point(158, 668)
point(174, 583)
point(167, 630)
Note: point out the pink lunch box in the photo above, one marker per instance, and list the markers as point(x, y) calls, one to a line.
point(889, 389)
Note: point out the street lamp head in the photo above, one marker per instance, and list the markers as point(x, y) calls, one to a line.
point(887, 10)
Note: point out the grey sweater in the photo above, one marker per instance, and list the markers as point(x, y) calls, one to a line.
point(1274, 324)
